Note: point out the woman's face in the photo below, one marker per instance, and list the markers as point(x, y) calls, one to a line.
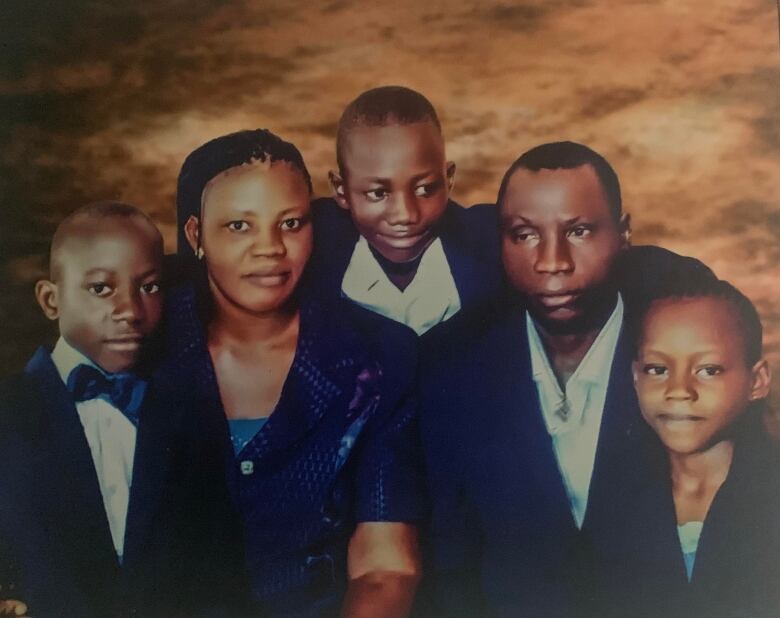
point(256, 234)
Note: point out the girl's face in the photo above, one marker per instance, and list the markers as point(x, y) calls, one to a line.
point(256, 234)
point(691, 375)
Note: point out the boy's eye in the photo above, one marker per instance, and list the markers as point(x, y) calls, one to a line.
point(427, 190)
point(150, 288)
point(100, 289)
point(376, 195)
point(291, 224)
point(525, 235)
point(579, 231)
point(237, 226)
point(654, 370)
point(709, 371)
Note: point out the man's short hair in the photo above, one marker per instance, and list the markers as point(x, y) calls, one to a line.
point(568, 155)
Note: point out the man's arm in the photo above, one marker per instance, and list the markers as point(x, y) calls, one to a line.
point(384, 569)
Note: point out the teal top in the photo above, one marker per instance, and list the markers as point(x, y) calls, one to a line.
point(689, 534)
point(242, 430)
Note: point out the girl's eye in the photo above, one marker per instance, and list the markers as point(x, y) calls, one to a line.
point(293, 223)
point(709, 371)
point(100, 289)
point(150, 288)
point(426, 190)
point(654, 370)
point(376, 195)
point(580, 231)
point(238, 226)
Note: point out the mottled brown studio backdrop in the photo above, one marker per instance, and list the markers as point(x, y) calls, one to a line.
point(104, 99)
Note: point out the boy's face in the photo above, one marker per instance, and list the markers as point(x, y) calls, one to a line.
point(396, 184)
point(107, 290)
point(256, 235)
point(559, 241)
point(691, 375)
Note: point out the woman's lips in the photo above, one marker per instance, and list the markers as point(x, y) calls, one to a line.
point(268, 279)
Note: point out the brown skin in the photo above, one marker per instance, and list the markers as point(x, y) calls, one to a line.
point(256, 238)
point(693, 383)
point(395, 182)
point(13, 608)
point(559, 242)
point(106, 288)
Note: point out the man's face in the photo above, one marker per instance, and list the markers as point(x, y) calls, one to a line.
point(107, 293)
point(691, 375)
point(559, 241)
point(395, 183)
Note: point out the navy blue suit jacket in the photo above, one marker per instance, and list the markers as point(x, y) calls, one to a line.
point(469, 237)
point(53, 526)
point(503, 541)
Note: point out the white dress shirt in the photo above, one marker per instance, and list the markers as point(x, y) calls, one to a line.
point(573, 416)
point(111, 437)
point(429, 299)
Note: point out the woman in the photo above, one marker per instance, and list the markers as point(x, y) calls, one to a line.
point(315, 423)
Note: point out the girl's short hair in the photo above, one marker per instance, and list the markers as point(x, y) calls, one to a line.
point(220, 154)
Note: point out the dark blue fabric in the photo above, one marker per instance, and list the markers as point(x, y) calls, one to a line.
point(122, 390)
point(53, 525)
point(338, 449)
point(469, 237)
point(502, 539)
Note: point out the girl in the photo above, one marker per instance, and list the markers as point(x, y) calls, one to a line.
point(314, 424)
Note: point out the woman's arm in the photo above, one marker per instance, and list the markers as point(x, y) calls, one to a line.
point(384, 569)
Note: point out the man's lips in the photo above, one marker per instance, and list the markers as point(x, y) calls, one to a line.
point(558, 300)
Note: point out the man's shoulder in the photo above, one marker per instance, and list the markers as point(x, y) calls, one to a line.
point(475, 222)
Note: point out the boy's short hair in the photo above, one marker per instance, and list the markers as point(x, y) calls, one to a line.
point(224, 153)
point(106, 209)
point(380, 107)
point(568, 155)
point(748, 320)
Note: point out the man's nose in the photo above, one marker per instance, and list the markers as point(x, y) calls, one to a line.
point(554, 256)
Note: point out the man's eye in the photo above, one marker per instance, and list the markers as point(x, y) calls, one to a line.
point(524, 234)
point(376, 195)
point(580, 231)
point(709, 371)
point(654, 370)
point(150, 288)
point(426, 190)
point(99, 289)
point(293, 223)
point(238, 226)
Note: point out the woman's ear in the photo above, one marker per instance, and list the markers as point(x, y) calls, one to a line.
point(762, 380)
point(46, 295)
point(192, 232)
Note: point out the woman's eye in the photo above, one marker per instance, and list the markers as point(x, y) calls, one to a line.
point(99, 289)
point(579, 231)
point(293, 223)
point(376, 195)
point(150, 288)
point(238, 226)
point(654, 370)
point(709, 371)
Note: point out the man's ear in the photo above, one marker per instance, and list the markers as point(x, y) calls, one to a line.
point(762, 380)
point(339, 189)
point(46, 295)
point(192, 232)
point(450, 176)
point(624, 225)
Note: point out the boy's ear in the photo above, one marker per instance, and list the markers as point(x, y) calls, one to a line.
point(339, 190)
point(192, 232)
point(46, 295)
point(450, 176)
point(624, 225)
point(762, 380)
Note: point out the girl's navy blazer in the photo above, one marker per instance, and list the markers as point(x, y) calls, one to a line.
point(340, 448)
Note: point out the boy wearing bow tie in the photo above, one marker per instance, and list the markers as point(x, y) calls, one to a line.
point(94, 485)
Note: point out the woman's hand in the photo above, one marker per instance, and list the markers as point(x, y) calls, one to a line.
point(384, 569)
point(11, 607)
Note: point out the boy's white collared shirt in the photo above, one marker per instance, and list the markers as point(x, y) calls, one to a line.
point(429, 299)
point(575, 431)
point(111, 437)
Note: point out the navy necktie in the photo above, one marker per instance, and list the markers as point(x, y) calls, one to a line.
point(123, 390)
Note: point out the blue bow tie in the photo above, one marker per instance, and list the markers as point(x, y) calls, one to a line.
point(123, 390)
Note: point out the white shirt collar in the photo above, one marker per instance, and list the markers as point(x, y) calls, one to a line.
point(592, 372)
point(429, 299)
point(66, 358)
